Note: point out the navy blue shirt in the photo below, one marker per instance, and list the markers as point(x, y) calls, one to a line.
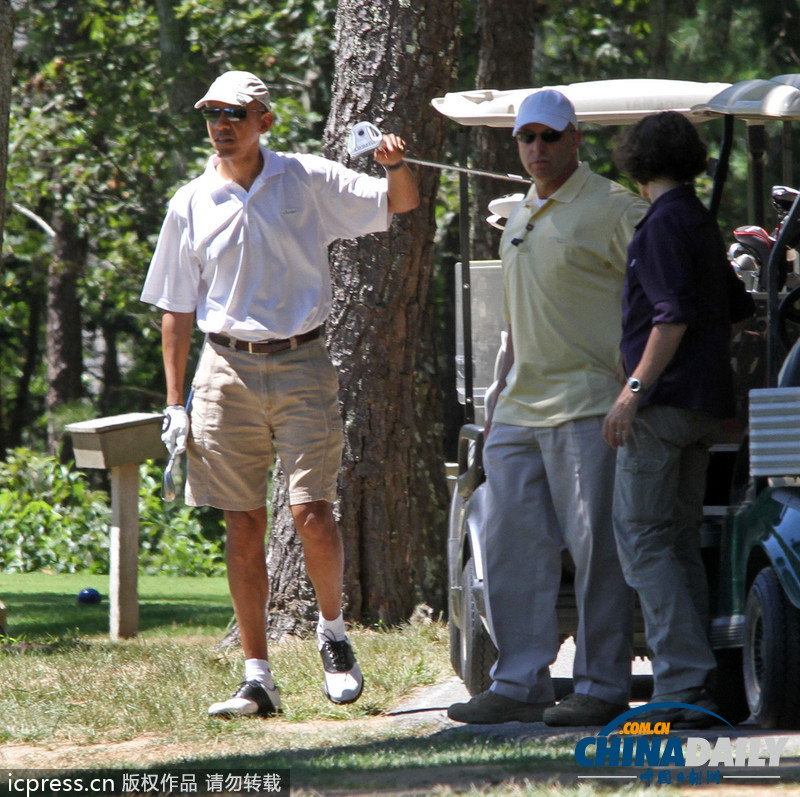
point(678, 273)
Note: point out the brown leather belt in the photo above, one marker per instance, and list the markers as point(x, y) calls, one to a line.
point(264, 346)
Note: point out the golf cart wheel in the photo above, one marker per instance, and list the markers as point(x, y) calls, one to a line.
point(455, 638)
point(478, 652)
point(771, 656)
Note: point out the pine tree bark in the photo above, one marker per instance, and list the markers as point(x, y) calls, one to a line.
point(392, 58)
point(506, 31)
point(64, 322)
point(64, 345)
point(6, 67)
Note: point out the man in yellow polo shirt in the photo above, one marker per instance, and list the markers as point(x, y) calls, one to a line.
point(550, 474)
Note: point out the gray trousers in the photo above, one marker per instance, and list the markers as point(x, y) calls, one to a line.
point(547, 488)
point(658, 507)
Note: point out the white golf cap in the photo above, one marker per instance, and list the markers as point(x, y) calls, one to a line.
point(546, 107)
point(236, 88)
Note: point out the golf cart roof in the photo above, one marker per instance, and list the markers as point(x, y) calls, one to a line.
point(756, 100)
point(603, 102)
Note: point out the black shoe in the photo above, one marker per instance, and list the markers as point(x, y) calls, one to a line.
point(251, 699)
point(578, 710)
point(343, 680)
point(684, 718)
point(491, 708)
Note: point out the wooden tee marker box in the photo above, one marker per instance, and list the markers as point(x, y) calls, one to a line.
point(117, 440)
point(120, 443)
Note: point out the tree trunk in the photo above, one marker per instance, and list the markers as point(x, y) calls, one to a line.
point(112, 373)
point(20, 414)
point(64, 325)
point(64, 328)
point(665, 15)
point(392, 58)
point(6, 66)
point(505, 61)
point(182, 85)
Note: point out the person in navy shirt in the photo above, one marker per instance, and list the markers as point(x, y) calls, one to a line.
point(681, 299)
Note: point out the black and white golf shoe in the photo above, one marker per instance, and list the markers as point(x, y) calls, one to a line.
point(251, 699)
point(343, 679)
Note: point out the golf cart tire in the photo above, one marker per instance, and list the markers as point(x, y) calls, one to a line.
point(455, 638)
point(771, 655)
point(478, 652)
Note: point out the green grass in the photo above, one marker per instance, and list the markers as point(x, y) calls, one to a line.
point(41, 604)
point(72, 699)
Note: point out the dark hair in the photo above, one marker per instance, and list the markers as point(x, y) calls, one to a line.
point(662, 145)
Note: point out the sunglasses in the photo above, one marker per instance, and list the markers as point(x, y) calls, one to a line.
point(236, 114)
point(548, 136)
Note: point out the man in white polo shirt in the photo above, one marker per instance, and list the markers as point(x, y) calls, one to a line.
point(550, 476)
point(243, 252)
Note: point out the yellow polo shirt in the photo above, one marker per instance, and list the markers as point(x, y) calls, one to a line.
point(563, 268)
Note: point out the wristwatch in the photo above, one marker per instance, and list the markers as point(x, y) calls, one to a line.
point(635, 384)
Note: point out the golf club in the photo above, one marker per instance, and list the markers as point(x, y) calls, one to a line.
point(365, 137)
point(168, 490)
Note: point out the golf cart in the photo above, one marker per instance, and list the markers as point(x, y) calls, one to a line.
point(750, 536)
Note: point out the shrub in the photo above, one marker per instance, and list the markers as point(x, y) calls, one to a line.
point(175, 538)
point(51, 518)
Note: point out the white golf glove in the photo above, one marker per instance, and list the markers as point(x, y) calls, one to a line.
point(175, 429)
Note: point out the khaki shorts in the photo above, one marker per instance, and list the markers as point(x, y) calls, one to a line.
point(247, 407)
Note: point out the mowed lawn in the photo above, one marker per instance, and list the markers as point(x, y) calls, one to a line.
point(72, 699)
point(42, 605)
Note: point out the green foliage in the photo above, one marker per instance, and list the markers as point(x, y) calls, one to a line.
point(175, 538)
point(289, 44)
point(52, 519)
point(735, 41)
point(709, 40)
point(592, 41)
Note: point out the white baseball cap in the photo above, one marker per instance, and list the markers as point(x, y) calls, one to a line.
point(236, 88)
point(546, 107)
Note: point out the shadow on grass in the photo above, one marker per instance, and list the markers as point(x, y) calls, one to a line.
point(449, 757)
point(459, 758)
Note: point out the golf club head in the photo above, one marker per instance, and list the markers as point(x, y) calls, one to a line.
point(168, 491)
point(364, 137)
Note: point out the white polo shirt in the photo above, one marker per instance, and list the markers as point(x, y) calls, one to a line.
point(254, 264)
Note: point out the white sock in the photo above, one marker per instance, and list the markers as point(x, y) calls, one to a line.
point(331, 629)
point(258, 670)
